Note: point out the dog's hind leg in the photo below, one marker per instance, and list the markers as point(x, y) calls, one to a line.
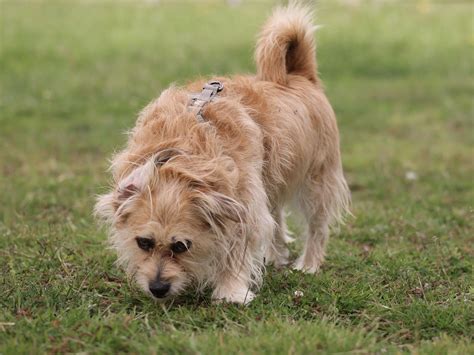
point(324, 198)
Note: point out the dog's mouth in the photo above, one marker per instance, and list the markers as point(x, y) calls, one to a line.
point(161, 298)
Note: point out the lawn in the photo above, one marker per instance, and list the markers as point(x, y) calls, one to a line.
point(399, 275)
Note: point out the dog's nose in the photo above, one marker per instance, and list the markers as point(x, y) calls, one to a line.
point(159, 288)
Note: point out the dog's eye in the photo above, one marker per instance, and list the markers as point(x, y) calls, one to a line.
point(180, 247)
point(145, 243)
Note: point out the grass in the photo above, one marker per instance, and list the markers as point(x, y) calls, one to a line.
point(399, 275)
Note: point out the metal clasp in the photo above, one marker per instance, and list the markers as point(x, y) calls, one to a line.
point(209, 91)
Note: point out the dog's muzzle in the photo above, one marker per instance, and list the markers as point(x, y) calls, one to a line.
point(159, 288)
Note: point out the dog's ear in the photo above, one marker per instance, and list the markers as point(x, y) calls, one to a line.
point(136, 181)
point(166, 155)
point(109, 207)
point(229, 208)
point(218, 208)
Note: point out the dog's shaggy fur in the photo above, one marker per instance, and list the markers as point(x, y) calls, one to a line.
point(219, 187)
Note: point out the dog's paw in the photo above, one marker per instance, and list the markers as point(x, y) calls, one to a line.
point(287, 238)
point(277, 259)
point(239, 296)
point(279, 262)
point(311, 266)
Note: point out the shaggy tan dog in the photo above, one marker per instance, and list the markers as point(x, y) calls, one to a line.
point(199, 190)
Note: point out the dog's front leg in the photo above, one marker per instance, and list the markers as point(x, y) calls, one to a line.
point(245, 262)
point(233, 288)
point(232, 282)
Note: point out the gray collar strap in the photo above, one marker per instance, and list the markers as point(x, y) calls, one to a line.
point(198, 101)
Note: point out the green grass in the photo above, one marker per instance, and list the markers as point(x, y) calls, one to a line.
point(399, 275)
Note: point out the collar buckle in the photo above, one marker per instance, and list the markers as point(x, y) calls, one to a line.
point(198, 101)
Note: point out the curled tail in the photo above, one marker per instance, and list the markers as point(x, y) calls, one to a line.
point(286, 46)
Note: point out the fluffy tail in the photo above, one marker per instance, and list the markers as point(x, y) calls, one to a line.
point(286, 45)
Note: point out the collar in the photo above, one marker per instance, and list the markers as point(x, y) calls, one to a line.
point(198, 101)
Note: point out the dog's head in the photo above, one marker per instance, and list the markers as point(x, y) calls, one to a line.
point(169, 216)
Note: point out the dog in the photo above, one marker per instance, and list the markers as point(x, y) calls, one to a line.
point(199, 191)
